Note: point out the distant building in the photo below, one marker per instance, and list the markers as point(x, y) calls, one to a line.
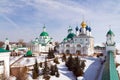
point(80, 42)
point(99, 49)
point(4, 64)
point(43, 43)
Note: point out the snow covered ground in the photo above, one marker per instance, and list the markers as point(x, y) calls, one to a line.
point(27, 61)
point(92, 68)
point(14, 58)
point(90, 71)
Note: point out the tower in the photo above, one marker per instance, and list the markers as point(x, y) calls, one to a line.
point(7, 45)
point(110, 43)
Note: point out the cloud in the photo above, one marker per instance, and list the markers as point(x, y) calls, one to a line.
point(31, 15)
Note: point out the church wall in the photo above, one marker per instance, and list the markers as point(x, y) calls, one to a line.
point(5, 57)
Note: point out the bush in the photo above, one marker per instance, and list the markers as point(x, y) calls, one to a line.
point(46, 77)
point(56, 60)
point(50, 54)
point(52, 70)
point(70, 63)
point(57, 74)
point(63, 57)
point(35, 71)
point(83, 64)
point(40, 64)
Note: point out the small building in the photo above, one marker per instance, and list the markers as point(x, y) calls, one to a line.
point(43, 43)
point(28, 53)
point(99, 49)
point(4, 63)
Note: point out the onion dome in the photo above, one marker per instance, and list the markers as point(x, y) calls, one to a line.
point(90, 29)
point(44, 33)
point(80, 29)
point(110, 33)
point(76, 28)
point(87, 28)
point(29, 53)
point(83, 24)
point(70, 36)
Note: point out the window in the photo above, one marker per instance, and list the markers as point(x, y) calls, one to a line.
point(75, 39)
point(67, 45)
point(78, 45)
point(1, 63)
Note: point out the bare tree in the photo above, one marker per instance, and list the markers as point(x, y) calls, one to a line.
point(22, 74)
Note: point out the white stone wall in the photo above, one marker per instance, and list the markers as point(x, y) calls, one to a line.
point(5, 57)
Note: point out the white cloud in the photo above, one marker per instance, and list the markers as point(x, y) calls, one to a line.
point(60, 14)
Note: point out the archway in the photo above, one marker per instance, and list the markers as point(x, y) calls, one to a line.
point(67, 51)
point(78, 52)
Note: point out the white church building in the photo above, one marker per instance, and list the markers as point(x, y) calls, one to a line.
point(80, 42)
point(43, 43)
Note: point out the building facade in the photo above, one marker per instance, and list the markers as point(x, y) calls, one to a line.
point(43, 43)
point(80, 42)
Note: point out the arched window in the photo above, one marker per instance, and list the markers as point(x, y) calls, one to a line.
point(78, 45)
point(78, 52)
point(67, 45)
point(67, 51)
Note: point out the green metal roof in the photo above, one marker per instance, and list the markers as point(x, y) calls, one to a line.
point(44, 34)
point(110, 72)
point(64, 39)
point(110, 32)
point(29, 53)
point(3, 50)
point(70, 35)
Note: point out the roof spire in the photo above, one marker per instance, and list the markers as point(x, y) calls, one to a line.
point(109, 27)
point(44, 28)
point(69, 29)
point(83, 24)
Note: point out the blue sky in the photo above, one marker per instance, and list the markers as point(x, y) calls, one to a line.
point(24, 19)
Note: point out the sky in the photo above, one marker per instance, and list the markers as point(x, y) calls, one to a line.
point(24, 19)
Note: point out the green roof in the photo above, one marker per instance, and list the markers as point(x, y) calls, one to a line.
point(65, 39)
point(29, 53)
point(3, 50)
point(110, 32)
point(44, 34)
point(71, 35)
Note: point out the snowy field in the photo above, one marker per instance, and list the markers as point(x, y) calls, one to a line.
point(90, 71)
point(14, 58)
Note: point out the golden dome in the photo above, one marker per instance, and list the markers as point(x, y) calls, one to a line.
point(83, 24)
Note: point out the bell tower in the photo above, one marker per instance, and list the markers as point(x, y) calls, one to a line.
point(110, 43)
